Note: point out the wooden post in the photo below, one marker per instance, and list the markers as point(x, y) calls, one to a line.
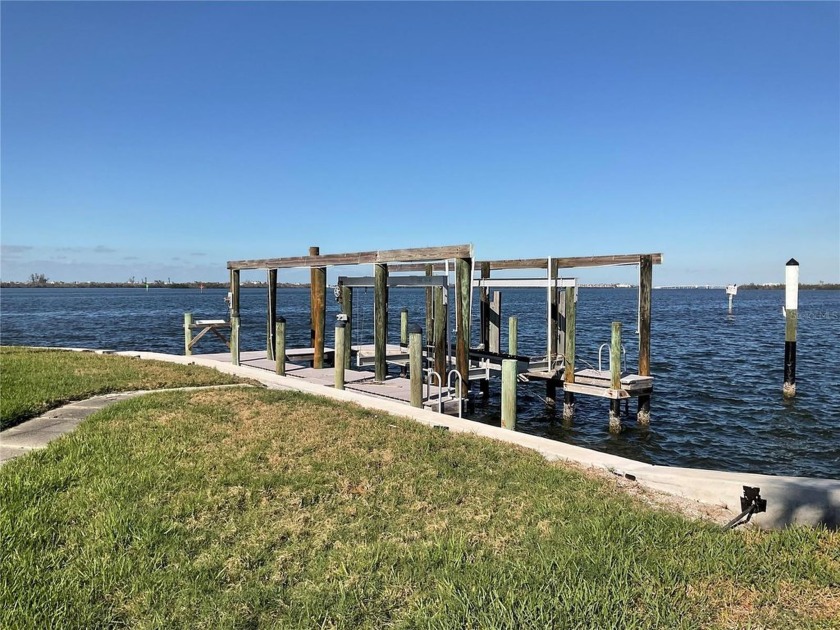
point(403, 336)
point(569, 355)
point(550, 393)
point(553, 318)
point(513, 335)
point(340, 341)
point(645, 286)
point(272, 313)
point(415, 364)
point(404, 327)
point(234, 316)
point(318, 308)
point(280, 346)
point(494, 333)
point(615, 376)
point(484, 324)
point(791, 313)
point(429, 307)
point(347, 309)
point(463, 289)
point(440, 318)
point(509, 394)
point(188, 320)
point(484, 309)
point(380, 323)
point(553, 325)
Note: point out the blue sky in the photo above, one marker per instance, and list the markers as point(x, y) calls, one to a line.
point(162, 139)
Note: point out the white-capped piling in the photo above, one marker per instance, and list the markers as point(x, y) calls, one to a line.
point(188, 320)
point(791, 309)
point(731, 292)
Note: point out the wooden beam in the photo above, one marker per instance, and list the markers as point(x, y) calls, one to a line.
point(567, 262)
point(416, 254)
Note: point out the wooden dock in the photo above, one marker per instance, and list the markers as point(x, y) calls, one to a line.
point(450, 363)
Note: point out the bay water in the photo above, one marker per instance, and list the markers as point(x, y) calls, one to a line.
point(717, 399)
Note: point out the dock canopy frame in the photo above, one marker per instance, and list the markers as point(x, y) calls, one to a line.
point(317, 263)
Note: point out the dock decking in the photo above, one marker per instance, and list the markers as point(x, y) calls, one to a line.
point(393, 387)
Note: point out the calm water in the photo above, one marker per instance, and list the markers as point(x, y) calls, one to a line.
point(717, 401)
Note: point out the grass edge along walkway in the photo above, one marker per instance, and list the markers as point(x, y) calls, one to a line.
point(35, 380)
point(246, 507)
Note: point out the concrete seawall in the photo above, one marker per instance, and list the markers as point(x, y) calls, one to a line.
point(790, 500)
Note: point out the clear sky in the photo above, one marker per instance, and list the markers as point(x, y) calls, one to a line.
point(159, 139)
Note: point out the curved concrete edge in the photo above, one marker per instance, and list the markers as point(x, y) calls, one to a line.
point(36, 433)
point(790, 500)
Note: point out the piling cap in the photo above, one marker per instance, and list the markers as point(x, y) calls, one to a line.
point(414, 328)
point(280, 319)
point(341, 323)
point(791, 262)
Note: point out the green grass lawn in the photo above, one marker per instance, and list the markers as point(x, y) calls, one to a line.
point(244, 507)
point(33, 381)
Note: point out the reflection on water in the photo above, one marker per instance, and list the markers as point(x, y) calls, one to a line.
point(717, 400)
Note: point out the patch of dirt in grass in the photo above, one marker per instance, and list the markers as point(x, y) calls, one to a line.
point(745, 606)
point(658, 500)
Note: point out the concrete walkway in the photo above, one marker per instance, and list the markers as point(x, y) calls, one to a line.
point(38, 432)
point(790, 500)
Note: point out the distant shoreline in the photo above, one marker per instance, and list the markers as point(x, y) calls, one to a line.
point(292, 285)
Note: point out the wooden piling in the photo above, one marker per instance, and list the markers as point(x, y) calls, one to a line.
point(188, 320)
point(615, 376)
point(415, 364)
point(645, 286)
point(553, 316)
point(280, 346)
point(553, 333)
point(340, 346)
point(404, 327)
point(463, 290)
point(234, 316)
point(550, 393)
point(403, 336)
point(513, 335)
point(494, 333)
point(347, 309)
point(440, 332)
point(484, 324)
point(272, 313)
point(484, 309)
point(380, 323)
point(509, 394)
point(569, 354)
point(429, 269)
point(318, 309)
point(791, 313)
